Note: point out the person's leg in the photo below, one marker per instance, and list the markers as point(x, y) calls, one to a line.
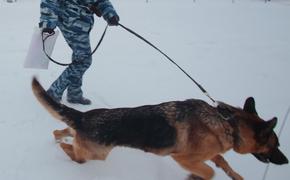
point(82, 60)
point(71, 77)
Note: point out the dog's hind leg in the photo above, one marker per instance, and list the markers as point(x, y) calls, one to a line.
point(83, 149)
point(74, 150)
point(222, 163)
point(199, 170)
point(70, 151)
point(92, 150)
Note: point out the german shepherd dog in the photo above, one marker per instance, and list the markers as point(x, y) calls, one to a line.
point(190, 131)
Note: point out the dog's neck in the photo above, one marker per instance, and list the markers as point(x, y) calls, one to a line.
point(236, 131)
point(231, 119)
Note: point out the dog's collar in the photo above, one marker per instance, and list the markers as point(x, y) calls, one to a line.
point(224, 112)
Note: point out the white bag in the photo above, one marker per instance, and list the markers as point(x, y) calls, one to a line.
point(36, 58)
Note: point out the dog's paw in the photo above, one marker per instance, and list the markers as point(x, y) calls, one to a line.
point(234, 175)
point(237, 177)
point(57, 141)
point(57, 136)
point(194, 177)
point(67, 140)
point(62, 136)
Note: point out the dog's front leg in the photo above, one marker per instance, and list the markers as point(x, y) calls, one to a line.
point(199, 170)
point(222, 163)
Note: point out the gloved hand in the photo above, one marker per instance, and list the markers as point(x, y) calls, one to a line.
point(114, 21)
point(48, 30)
point(94, 9)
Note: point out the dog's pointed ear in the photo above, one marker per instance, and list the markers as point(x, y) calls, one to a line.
point(250, 106)
point(270, 125)
point(266, 128)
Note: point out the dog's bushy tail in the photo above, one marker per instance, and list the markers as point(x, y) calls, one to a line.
point(68, 115)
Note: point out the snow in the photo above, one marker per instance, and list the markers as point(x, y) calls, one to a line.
point(234, 50)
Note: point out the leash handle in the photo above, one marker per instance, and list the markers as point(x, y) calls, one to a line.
point(171, 60)
point(63, 64)
point(44, 50)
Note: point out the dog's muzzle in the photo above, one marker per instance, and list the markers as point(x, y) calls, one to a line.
point(275, 157)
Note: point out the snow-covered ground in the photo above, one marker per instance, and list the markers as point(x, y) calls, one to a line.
point(234, 50)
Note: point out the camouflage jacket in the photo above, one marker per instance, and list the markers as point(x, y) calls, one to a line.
point(73, 14)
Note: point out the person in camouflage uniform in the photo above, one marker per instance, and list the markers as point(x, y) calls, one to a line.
point(75, 19)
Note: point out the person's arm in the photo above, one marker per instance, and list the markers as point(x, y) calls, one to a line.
point(48, 14)
point(105, 8)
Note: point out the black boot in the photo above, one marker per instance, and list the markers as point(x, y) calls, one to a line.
point(81, 100)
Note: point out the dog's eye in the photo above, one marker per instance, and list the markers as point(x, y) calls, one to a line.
point(272, 142)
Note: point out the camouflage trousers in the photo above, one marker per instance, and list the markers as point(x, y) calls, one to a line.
point(71, 77)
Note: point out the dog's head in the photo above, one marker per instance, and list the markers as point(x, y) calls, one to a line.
point(257, 136)
point(267, 140)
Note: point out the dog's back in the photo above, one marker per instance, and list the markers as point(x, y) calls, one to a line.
point(144, 127)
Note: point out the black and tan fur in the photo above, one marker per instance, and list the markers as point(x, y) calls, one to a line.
point(190, 131)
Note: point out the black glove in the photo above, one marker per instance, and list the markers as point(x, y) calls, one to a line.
point(114, 21)
point(48, 30)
